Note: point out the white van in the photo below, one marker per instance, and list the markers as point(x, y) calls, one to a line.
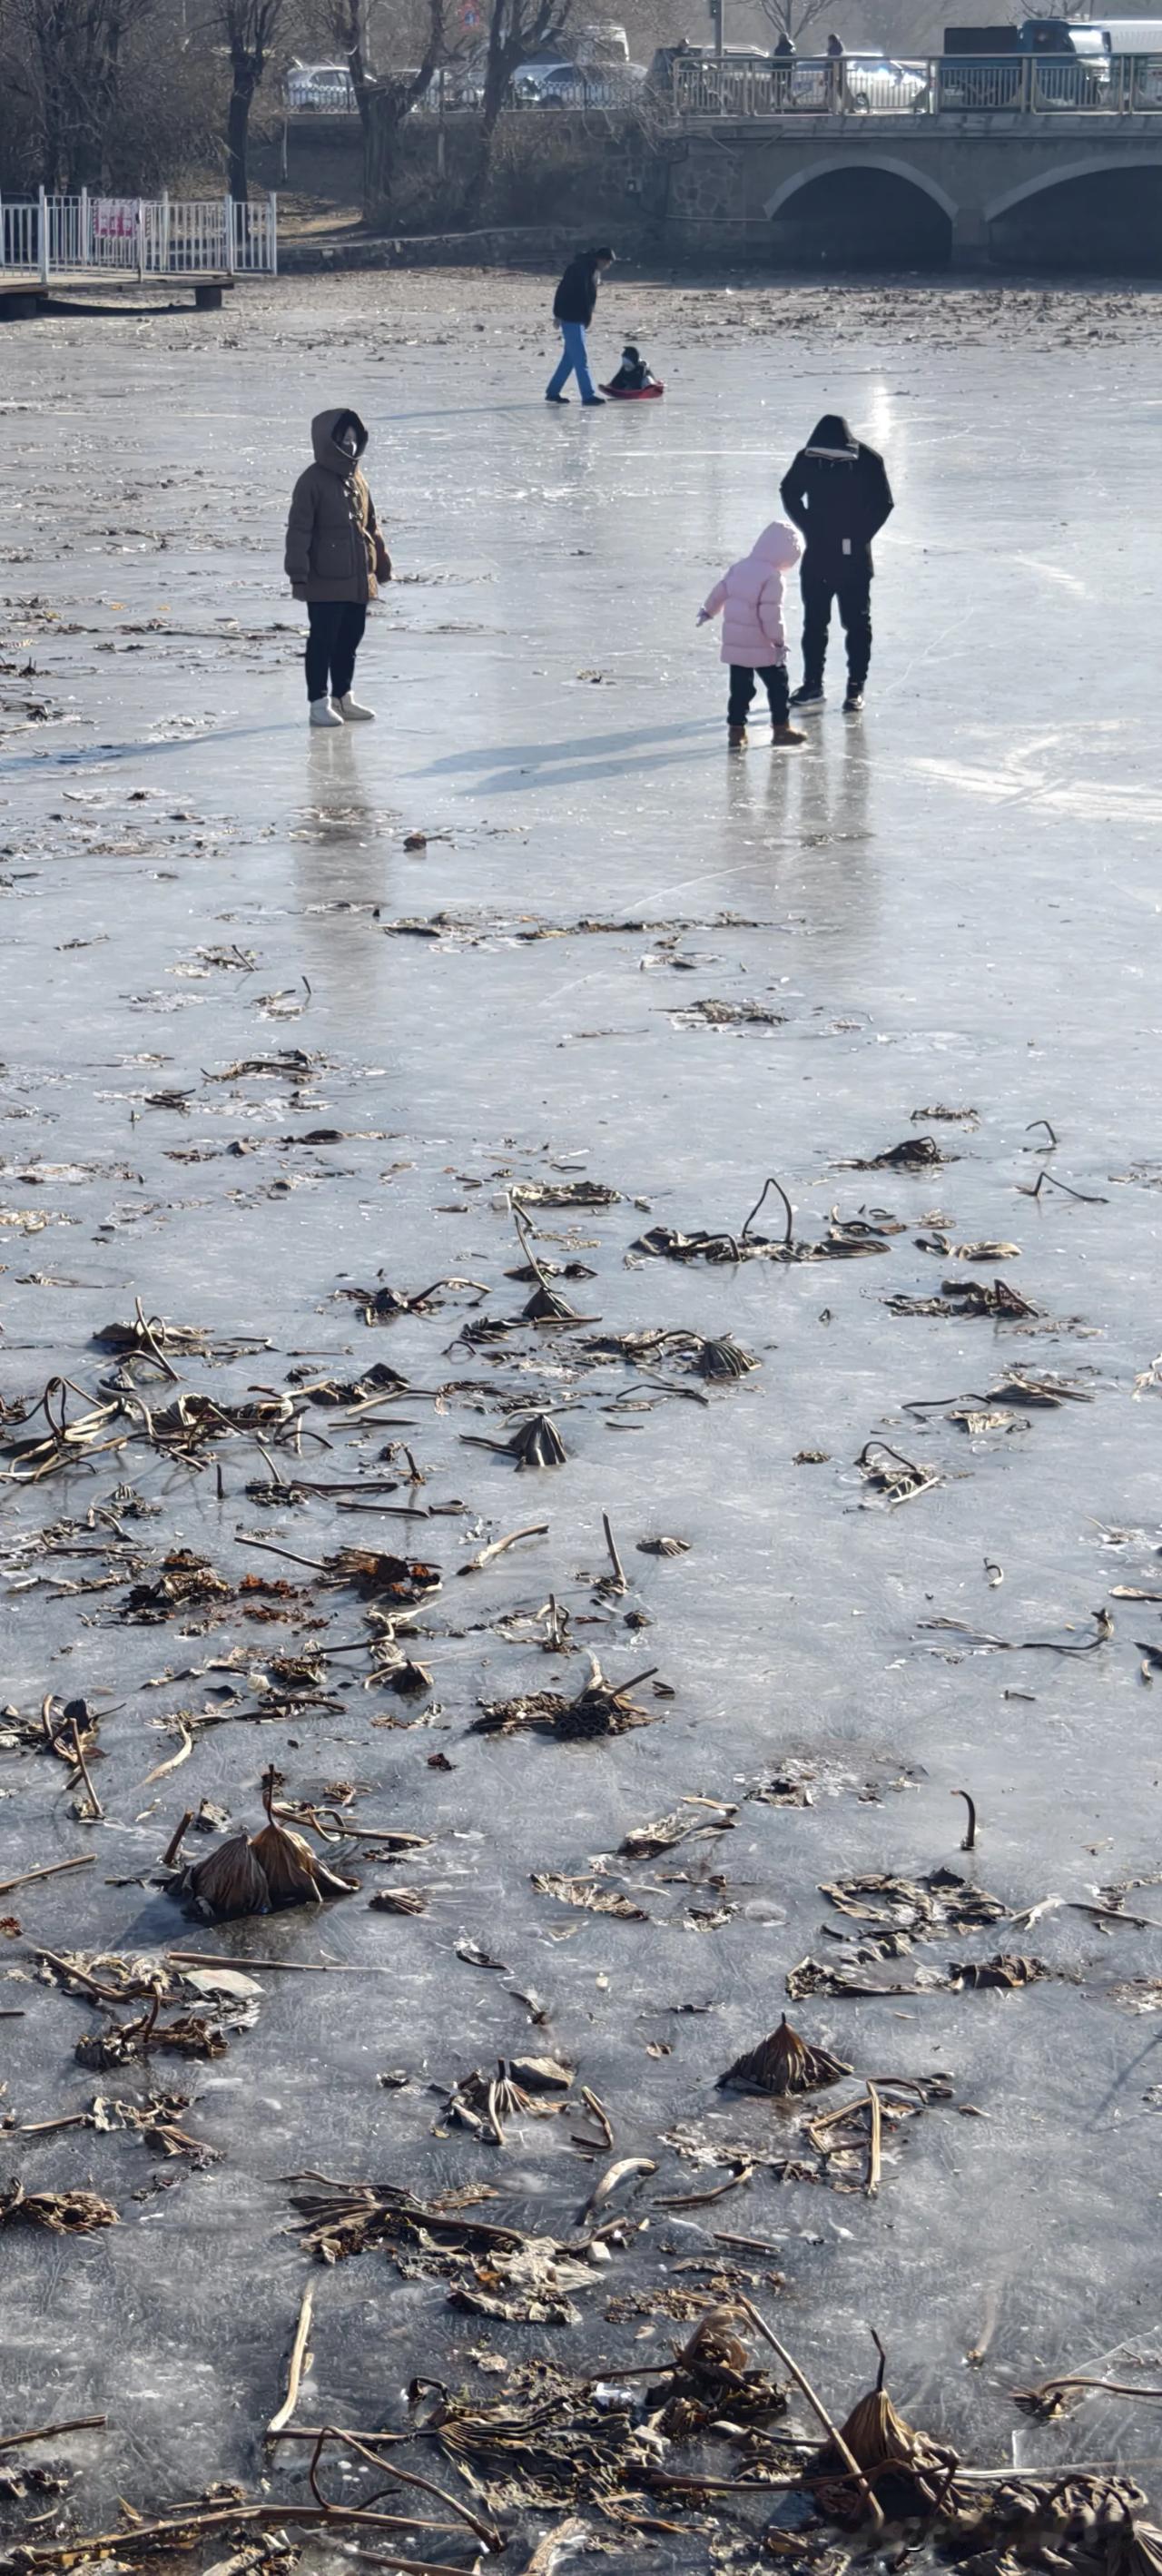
point(601, 42)
point(1131, 39)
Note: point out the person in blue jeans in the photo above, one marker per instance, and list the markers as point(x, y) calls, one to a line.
point(573, 308)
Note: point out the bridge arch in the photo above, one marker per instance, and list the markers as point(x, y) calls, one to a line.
point(841, 163)
point(1093, 166)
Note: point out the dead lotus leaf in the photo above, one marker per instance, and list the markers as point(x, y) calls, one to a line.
point(184, 1580)
point(643, 1842)
point(261, 1873)
point(64, 2213)
point(907, 2470)
point(399, 1900)
point(1004, 1969)
point(589, 1894)
point(784, 2063)
point(724, 1358)
point(921, 1907)
point(546, 1306)
point(538, 1443)
point(563, 1194)
point(483, 2102)
point(601, 1708)
point(1014, 1388)
point(399, 1578)
point(663, 1547)
point(913, 1153)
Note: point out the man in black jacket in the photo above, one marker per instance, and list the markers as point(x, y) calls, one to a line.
point(838, 495)
point(573, 309)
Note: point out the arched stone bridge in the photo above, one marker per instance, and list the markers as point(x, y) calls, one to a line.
point(728, 184)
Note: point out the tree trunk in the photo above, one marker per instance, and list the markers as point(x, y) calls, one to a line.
point(238, 131)
point(386, 112)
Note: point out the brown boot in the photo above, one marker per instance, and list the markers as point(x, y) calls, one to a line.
point(736, 737)
point(784, 737)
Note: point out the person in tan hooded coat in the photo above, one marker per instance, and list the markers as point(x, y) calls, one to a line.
point(332, 548)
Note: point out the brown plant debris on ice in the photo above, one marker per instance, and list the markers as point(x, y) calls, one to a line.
point(259, 1873)
point(784, 2063)
point(63, 2213)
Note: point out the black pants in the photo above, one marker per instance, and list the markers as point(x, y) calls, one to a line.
point(852, 591)
point(336, 633)
point(742, 687)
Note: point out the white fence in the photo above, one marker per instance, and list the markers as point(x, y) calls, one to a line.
point(137, 237)
point(859, 85)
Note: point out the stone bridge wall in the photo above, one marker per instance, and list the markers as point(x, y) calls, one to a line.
point(718, 189)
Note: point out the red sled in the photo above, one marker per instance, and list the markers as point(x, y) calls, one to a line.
point(632, 393)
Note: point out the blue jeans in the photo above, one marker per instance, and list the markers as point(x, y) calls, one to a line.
point(573, 362)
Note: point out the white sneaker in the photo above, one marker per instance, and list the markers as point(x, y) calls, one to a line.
point(323, 713)
point(351, 712)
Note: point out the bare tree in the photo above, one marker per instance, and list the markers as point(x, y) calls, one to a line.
point(517, 29)
point(793, 18)
point(248, 29)
point(69, 66)
point(385, 102)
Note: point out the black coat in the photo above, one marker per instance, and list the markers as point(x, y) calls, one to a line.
point(833, 502)
point(576, 296)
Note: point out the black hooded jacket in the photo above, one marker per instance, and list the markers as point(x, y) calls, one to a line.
point(838, 495)
point(576, 296)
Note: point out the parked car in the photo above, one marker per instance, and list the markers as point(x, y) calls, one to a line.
point(984, 67)
point(872, 82)
point(324, 88)
point(592, 85)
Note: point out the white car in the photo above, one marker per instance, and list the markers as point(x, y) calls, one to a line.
point(872, 83)
point(609, 85)
point(325, 88)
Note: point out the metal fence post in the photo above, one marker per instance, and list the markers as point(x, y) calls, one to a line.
point(163, 247)
point(272, 220)
point(42, 209)
point(83, 229)
point(139, 229)
point(229, 236)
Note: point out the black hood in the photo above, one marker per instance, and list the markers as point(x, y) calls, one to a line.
point(832, 436)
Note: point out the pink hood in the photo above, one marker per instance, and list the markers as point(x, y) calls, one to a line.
point(750, 596)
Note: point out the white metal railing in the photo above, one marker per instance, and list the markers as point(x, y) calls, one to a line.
point(1042, 84)
point(142, 237)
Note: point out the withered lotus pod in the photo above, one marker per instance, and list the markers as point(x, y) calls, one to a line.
point(880, 2438)
point(538, 1443)
point(230, 1880)
point(784, 2063)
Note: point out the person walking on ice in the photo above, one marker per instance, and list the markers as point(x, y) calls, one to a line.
point(574, 305)
point(333, 553)
point(750, 600)
point(837, 492)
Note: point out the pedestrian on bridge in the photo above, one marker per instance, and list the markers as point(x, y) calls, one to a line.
point(837, 494)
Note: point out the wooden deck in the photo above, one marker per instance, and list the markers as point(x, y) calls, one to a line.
point(22, 297)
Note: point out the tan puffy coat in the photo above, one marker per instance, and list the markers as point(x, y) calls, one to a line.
point(330, 534)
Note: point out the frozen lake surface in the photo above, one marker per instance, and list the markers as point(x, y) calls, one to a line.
point(939, 921)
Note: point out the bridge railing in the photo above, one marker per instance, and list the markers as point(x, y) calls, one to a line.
point(49, 236)
point(1035, 85)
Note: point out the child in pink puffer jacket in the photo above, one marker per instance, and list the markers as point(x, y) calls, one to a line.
point(750, 597)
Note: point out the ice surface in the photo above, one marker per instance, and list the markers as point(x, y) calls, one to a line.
point(954, 902)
